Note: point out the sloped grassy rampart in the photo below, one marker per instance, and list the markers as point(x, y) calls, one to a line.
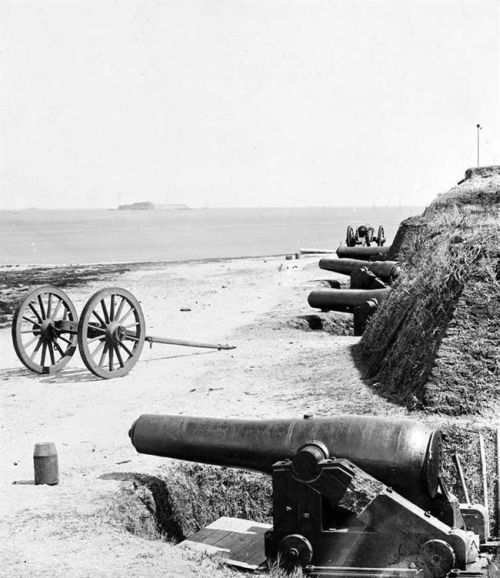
point(435, 342)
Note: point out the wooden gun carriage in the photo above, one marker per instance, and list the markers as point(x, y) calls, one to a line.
point(352, 495)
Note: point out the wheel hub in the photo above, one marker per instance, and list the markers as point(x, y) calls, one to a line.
point(115, 332)
point(47, 329)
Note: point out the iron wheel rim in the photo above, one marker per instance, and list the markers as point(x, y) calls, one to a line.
point(37, 317)
point(111, 332)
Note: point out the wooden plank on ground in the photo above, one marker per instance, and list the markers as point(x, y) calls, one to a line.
point(240, 542)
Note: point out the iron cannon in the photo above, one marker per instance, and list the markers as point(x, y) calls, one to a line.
point(384, 270)
point(361, 302)
point(363, 253)
point(352, 495)
point(364, 235)
point(403, 454)
point(345, 300)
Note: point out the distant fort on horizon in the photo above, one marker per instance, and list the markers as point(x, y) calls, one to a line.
point(149, 206)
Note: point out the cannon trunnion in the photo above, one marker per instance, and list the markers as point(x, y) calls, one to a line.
point(352, 495)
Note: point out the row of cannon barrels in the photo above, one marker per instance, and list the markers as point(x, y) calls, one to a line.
point(371, 276)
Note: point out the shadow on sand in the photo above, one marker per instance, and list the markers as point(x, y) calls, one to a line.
point(180, 355)
point(71, 375)
point(371, 382)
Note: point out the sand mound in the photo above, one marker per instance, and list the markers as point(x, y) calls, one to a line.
point(434, 342)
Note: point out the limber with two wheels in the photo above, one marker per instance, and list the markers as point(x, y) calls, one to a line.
point(109, 334)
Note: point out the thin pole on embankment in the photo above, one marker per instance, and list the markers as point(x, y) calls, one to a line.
point(478, 127)
point(482, 456)
point(461, 476)
point(498, 481)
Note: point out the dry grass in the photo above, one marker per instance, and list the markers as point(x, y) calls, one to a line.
point(185, 497)
point(403, 349)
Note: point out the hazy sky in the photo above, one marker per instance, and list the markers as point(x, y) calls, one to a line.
point(244, 102)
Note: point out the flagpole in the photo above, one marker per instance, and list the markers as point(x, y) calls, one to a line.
point(478, 127)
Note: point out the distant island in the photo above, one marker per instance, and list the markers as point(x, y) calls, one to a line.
point(148, 206)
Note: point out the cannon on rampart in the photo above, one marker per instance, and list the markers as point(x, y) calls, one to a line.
point(345, 300)
point(387, 271)
point(361, 302)
point(352, 495)
point(363, 253)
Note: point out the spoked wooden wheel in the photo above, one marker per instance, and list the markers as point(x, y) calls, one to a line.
point(44, 330)
point(380, 236)
point(111, 332)
point(350, 239)
point(369, 236)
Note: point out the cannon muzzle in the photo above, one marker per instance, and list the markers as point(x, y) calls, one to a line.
point(363, 253)
point(345, 300)
point(385, 270)
point(400, 453)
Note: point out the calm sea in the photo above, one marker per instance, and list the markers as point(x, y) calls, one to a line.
point(100, 236)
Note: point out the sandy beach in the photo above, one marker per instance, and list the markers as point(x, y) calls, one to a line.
point(281, 367)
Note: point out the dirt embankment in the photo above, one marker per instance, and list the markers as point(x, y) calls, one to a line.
point(434, 343)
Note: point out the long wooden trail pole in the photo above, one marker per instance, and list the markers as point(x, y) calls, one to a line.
point(187, 343)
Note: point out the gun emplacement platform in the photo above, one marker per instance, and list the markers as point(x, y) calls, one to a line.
point(352, 495)
point(110, 333)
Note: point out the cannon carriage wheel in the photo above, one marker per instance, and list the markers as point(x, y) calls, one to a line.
point(111, 332)
point(369, 236)
point(44, 330)
point(350, 238)
point(380, 236)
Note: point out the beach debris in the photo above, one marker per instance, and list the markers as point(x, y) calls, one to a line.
point(316, 251)
point(110, 333)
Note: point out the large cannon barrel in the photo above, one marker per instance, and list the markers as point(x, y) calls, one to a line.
point(400, 453)
point(345, 300)
point(363, 253)
point(382, 269)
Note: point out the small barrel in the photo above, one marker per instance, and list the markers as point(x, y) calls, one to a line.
point(344, 300)
point(364, 253)
point(46, 464)
point(385, 270)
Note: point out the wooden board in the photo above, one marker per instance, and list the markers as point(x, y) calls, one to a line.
point(240, 542)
